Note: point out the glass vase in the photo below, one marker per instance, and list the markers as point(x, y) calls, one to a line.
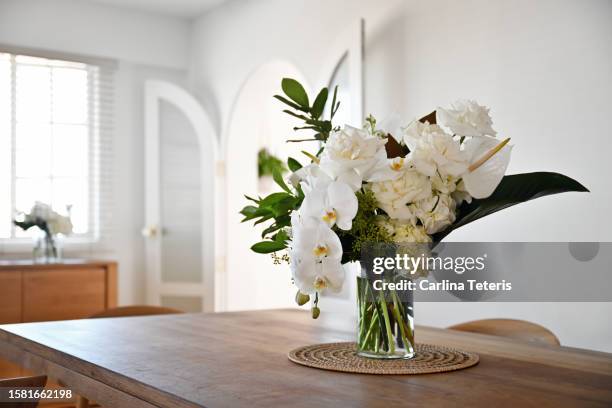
point(46, 249)
point(385, 326)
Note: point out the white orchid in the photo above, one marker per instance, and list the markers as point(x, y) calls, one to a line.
point(316, 254)
point(489, 160)
point(388, 169)
point(466, 118)
point(432, 150)
point(436, 213)
point(334, 204)
point(394, 196)
point(350, 154)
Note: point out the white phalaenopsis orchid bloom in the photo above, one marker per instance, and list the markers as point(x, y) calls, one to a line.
point(489, 160)
point(350, 154)
point(334, 204)
point(311, 176)
point(315, 254)
point(466, 118)
point(388, 169)
point(432, 150)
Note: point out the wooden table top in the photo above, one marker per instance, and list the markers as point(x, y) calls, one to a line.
point(27, 264)
point(239, 359)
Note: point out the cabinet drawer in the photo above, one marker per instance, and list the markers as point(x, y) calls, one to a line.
point(10, 297)
point(63, 294)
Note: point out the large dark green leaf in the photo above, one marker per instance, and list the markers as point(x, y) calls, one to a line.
point(513, 189)
point(295, 91)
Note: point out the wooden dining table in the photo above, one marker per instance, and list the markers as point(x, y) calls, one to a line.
point(239, 359)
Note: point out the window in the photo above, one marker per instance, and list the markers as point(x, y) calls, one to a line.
point(54, 141)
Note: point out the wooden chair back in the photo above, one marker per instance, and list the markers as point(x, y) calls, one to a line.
point(516, 329)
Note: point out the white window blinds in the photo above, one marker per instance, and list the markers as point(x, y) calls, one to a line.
point(56, 125)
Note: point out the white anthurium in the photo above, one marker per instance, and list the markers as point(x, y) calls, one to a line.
point(316, 253)
point(436, 213)
point(392, 125)
point(333, 204)
point(433, 151)
point(350, 154)
point(466, 118)
point(489, 160)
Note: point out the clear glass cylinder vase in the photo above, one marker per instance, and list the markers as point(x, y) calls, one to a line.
point(46, 249)
point(385, 326)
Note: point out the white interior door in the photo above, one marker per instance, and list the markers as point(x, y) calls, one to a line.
point(180, 156)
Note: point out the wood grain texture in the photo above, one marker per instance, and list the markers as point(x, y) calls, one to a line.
point(63, 294)
point(10, 297)
point(240, 359)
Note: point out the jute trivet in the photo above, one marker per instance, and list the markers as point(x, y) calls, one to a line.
point(343, 357)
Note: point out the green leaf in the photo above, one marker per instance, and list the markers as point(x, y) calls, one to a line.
point(333, 104)
point(281, 236)
point(251, 199)
point(292, 104)
point(272, 199)
point(296, 115)
point(319, 103)
point(293, 164)
point(278, 177)
point(512, 190)
point(295, 91)
point(267, 247)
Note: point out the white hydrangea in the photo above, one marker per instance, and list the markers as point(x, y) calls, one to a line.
point(436, 213)
point(466, 118)
point(394, 196)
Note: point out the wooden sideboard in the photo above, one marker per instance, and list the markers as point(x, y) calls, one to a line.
point(72, 289)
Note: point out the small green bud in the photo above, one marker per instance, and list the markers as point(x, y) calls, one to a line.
point(301, 299)
point(315, 312)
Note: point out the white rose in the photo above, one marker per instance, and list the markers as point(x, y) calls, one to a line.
point(350, 154)
point(436, 213)
point(394, 196)
point(433, 151)
point(466, 118)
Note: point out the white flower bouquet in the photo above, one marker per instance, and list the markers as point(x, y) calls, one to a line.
point(50, 222)
point(384, 183)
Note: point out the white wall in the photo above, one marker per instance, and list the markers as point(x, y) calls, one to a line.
point(146, 46)
point(543, 66)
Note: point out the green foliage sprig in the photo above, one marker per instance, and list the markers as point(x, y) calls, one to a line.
point(297, 99)
point(267, 163)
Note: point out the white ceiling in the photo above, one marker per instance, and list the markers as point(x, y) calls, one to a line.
point(177, 8)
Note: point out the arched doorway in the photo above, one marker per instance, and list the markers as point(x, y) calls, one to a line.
point(252, 281)
point(180, 182)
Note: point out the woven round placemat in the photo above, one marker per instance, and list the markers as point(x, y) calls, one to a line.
point(343, 357)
